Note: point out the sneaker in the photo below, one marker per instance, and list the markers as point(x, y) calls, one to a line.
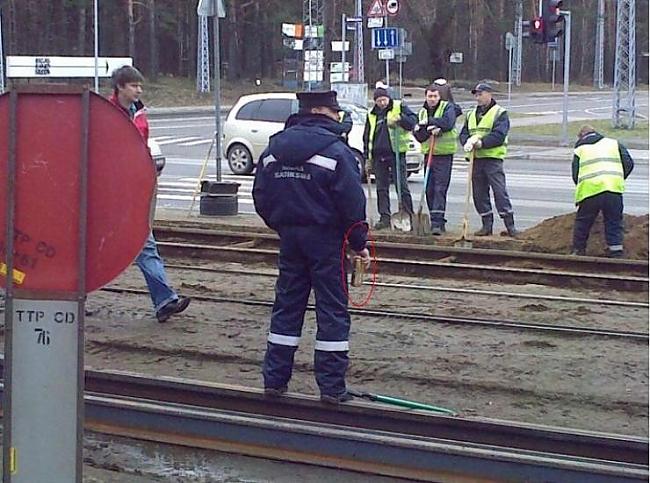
point(273, 392)
point(173, 307)
point(436, 230)
point(336, 400)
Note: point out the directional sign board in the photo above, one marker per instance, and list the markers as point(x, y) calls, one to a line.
point(386, 54)
point(24, 66)
point(385, 38)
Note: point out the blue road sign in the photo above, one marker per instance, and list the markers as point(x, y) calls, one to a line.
point(385, 38)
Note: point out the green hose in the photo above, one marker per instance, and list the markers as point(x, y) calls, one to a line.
point(405, 403)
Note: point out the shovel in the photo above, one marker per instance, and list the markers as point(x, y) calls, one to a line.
point(423, 220)
point(402, 219)
point(369, 206)
point(404, 403)
point(465, 241)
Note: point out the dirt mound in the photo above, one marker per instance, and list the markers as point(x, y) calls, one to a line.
point(555, 235)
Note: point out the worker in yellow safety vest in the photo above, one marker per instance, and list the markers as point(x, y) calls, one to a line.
point(600, 167)
point(486, 133)
point(387, 132)
point(437, 118)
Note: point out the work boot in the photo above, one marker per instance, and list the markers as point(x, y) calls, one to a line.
point(382, 224)
point(275, 392)
point(580, 252)
point(436, 230)
point(509, 221)
point(335, 400)
point(486, 229)
point(615, 253)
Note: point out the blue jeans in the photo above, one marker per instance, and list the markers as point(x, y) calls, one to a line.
point(152, 267)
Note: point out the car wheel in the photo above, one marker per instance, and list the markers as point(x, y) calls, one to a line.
point(240, 159)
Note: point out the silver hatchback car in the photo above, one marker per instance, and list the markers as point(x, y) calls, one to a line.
point(255, 118)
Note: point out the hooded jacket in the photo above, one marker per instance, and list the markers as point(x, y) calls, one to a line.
point(137, 113)
point(308, 176)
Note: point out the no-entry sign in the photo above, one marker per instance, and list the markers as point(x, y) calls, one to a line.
point(121, 179)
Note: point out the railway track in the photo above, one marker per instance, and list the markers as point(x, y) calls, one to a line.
point(423, 260)
point(356, 436)
point(633, 336)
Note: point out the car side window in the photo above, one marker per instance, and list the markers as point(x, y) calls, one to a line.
point(248, 112)
point(274, 110)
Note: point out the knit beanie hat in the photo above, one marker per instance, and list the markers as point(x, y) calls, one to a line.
point(380, 92)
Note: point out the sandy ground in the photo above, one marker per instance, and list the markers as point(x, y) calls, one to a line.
point(587, 382)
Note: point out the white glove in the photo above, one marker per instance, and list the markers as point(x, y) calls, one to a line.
point(435, 131)
point(469, 146)
point(473, 142)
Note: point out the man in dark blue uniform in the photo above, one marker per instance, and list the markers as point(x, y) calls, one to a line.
point(308, 189)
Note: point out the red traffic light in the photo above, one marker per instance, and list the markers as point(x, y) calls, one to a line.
point(537, 24)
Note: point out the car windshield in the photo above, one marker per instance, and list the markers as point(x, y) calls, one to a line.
point(357, 112)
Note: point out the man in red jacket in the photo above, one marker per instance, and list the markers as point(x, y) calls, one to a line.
point(127, 88)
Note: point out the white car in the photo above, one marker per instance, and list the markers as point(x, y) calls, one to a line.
point(156, 155)
point(256, 117)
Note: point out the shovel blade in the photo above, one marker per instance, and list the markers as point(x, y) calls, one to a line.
point(401, 221)
point(422, 224)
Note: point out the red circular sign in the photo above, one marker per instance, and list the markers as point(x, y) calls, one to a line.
point(121, 179)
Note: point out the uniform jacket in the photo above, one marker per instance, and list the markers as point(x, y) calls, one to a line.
point(308, 176)
point(593, 138)
point(137, 113)
point(499, 130)
point(446, 123)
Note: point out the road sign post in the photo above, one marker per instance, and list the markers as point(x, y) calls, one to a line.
point(69, 152)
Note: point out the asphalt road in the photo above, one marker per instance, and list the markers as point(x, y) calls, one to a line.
point(539, 178)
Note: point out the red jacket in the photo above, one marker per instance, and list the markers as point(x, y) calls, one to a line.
point(139, 118)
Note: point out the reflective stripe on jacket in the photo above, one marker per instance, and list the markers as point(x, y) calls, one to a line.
point(483, 127)
point(446, 142)
point(600, 169)
point(403, 136)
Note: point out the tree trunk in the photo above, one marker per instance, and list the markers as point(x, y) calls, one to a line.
point(81, 31)
point(153, 42)
point(131, 25)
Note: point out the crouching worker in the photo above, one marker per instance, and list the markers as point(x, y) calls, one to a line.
point(308, 189)
point(600, 168)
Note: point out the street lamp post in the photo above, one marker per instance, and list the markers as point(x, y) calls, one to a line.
point(220, 197)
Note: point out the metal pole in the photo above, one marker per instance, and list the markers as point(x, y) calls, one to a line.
point(96, 34)
point(387, 61)
point(400, 77)
point(600, 46)
point(217, 95)
point(360, 67)
point(519, 44)
point(2, 59)
point(343, 28)
point(509, 76)
point(567, 65)
point(553, 61)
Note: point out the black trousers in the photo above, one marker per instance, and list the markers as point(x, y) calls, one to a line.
point(385, 172)
point(488, 173)
point(437, 187)
point(611, 204)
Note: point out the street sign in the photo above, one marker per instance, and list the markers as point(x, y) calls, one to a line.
point(24, 66)
point(509, 41)
point(377, 9)
point(120, 185)
point(354, 19)
point(456, 58)
point(375, 22)
point(385, 38)
point(392, 7)
point(386, 54)
point(337, 46)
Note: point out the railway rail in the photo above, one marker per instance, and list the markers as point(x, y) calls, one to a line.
point(633, 336)
point(423, 260)
point(356, 436)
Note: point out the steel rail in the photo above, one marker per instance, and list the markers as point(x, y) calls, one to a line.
point(432, 288)
point(418, 251)
point(358, 436)
point(424, 268)
point(641, 337)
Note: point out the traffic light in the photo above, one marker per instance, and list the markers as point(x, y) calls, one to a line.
point(552, 20)
point(534, 29)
